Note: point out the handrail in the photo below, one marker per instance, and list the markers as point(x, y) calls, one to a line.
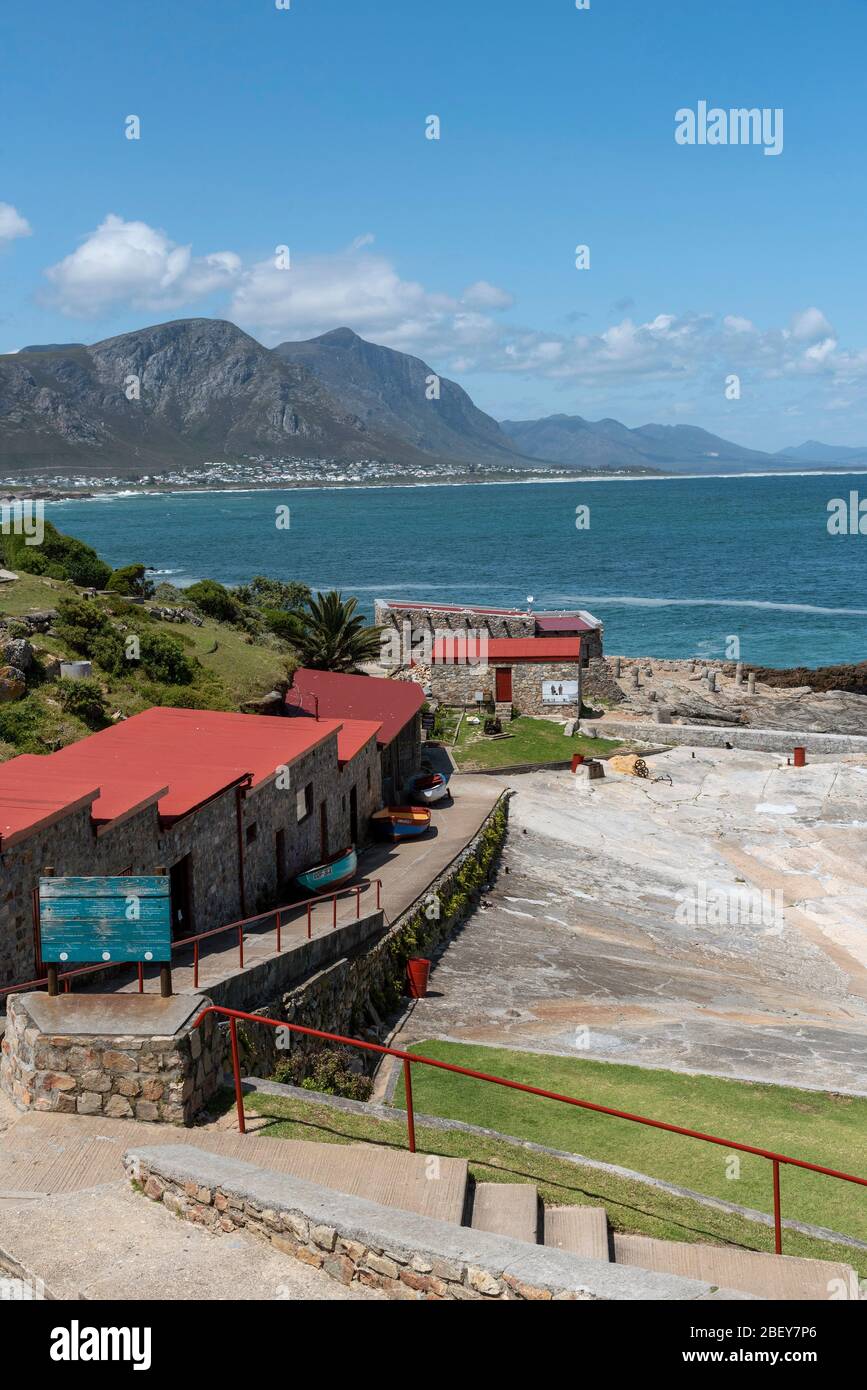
point(277, 912)
point(408, 1058)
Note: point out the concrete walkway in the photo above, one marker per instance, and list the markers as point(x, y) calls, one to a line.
point(406, 871)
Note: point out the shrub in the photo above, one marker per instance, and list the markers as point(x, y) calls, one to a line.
point(80, 622)
point(164, 660)
point(109, 652)
point(282, 624)
point(327, 1071)
point(59, 557)
point(214, 600)
point(84, 700)
point(131, 581)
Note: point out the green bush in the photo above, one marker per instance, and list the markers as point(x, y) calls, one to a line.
point(23, 725)
point(80, 622)
point(109, 652)
point(214, 600)
point(58, 557)
point(282, 624)
point(84, 700)
point(326, 1071)
point(164, 659)
point(131, 581)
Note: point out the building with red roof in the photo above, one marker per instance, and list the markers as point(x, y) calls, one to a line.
point(395, 705)
point(232, 806)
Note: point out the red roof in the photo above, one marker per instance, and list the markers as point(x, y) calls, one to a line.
point(452, 650)
point(179, 758)
point(353, 737)
point(392, 703)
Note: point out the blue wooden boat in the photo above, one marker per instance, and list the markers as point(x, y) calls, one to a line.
point(401, 822)
point(427, 786)
point(325, 878)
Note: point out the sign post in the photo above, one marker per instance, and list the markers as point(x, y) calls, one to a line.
point(106, 920)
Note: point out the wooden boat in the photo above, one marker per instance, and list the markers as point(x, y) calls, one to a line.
point(401, 822)
point(427, 786)
point(325, 878)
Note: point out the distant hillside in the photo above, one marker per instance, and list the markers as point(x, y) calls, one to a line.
point(388, 390)
point(813, 452)
point(207, 390)
point(572, 441)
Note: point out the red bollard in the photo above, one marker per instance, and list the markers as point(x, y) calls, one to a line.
point(577, 760)
point(800, 757)
point(418, 971)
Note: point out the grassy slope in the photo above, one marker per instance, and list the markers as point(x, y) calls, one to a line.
point(821, 1128)
point(533, 741)
point(632, 1206)
point(241, 669)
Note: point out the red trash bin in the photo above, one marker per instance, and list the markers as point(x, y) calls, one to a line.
point(418, 972)
point(800, 757)
point(577, 760)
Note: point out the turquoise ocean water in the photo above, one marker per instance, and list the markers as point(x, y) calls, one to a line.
point(673, 567)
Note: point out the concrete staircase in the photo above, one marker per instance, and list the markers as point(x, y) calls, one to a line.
point(514, 1209)
point(53, 1168)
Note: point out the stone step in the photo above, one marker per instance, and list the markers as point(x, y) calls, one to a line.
point(507, 1209)
point(46, 1154)
point(583, 1230)
point(750, 1271)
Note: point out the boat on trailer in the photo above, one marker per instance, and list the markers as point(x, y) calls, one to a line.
point(325, 878)
point(427, 786)
point(401, 822)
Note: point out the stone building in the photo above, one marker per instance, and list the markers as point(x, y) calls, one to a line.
point(394, 704)
point(415, 618)
point(531, 675)
point(231, 806)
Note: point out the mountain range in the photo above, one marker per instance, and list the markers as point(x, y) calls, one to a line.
point(180, 394)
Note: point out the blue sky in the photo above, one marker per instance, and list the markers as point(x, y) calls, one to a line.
point(306, 127)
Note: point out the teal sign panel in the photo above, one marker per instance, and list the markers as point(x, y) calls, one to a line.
point(105, 919)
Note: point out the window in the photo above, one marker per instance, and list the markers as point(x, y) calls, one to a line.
point(251, 833)
point(304, 802)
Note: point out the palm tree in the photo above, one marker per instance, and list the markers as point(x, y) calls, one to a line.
point(334, 635)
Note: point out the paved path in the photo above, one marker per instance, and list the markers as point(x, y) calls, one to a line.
point(579, 949)
point(406, 870)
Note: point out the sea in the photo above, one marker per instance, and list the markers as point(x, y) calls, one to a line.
point(709, 567)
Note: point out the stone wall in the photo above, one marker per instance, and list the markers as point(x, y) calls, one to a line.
point(457, 685)
point(422, 620)
point(165, 1079)
point(715, 736)
point(599, 685)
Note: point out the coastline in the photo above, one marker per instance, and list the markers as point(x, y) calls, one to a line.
point(94, 494)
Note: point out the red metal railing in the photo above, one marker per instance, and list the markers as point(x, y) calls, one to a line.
point(409, 1058)
point(280, 914)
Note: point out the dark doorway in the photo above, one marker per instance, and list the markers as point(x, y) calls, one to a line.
point(504, 684)
point(353, 816)
point(181, 898)
point(323, 831)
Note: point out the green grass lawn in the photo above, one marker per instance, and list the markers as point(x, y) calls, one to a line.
point(532, 741)
point(821, 1128)
point(631, 1206)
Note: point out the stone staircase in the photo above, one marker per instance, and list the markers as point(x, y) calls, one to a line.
point(50, 1161)
point(514, 1209)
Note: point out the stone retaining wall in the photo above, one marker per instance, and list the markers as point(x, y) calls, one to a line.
point(165, 1079)
point(716, 736)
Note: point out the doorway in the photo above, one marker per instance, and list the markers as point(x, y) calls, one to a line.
point(353, 816)
point(180, 889)
point(503, 685)
point(323, 831)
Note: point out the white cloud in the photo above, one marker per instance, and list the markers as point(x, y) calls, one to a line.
point(132, 263)
point(483, 295)
point(12, 224)
point(810, 324)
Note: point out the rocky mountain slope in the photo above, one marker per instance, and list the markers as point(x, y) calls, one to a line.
point(572, 441)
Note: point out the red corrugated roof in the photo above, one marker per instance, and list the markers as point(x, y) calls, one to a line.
point(391, 703)
point(353, 737)
point(453, 650)
point(180, 758)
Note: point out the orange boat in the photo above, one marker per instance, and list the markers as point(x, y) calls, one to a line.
point(401, 822)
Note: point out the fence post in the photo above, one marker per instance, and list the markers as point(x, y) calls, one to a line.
point(778, 1217)
point(379, 892)
point(410, 1117)
point(241, 947)
point(195, 965)
point(334, 913)
point(309, 923)
point(140, 978)
point(357, 903)
point(236, 1069)
point(279, 924)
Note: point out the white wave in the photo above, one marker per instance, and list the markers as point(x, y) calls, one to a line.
point(635, 601)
